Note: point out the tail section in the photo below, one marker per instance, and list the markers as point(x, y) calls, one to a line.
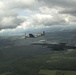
point(43, 33)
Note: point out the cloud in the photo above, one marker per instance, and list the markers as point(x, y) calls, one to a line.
point(9, 19)
point(42, 20)
point(29, 14)
point(60, 3)
point(10, 12)
point(68, 6)
point(10, 22)
point(47, 20)
point(69, 11)
point(22, 4)
point(65, 9)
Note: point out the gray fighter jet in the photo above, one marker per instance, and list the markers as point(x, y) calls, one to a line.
point(30, 35)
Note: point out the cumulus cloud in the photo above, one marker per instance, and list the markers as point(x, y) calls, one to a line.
point(10, 10)
point(69, 11)
point(27, 14)
point(22, 4)
point(60, 3)
point(41, 21)
point(10, 22)
point(47, 19)
point(64, 8)
point(68, 6)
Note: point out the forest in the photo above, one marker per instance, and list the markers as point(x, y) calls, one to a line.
point(18, 62)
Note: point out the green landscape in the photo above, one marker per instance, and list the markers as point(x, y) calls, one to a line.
point(13, 63)
point(19, 57)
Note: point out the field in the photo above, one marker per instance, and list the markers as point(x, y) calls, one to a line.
point(56, 72)
point(19, 57)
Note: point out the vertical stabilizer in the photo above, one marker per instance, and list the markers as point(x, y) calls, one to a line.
point(43, 33)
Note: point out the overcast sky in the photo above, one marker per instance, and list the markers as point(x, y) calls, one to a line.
point(20, 15)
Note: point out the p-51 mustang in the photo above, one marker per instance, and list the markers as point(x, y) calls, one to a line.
point(55, 46)
point(34, 36)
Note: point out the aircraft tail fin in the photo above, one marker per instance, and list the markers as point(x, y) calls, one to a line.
point(43, 33)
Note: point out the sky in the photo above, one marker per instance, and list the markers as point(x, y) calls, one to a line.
point(19, 16)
